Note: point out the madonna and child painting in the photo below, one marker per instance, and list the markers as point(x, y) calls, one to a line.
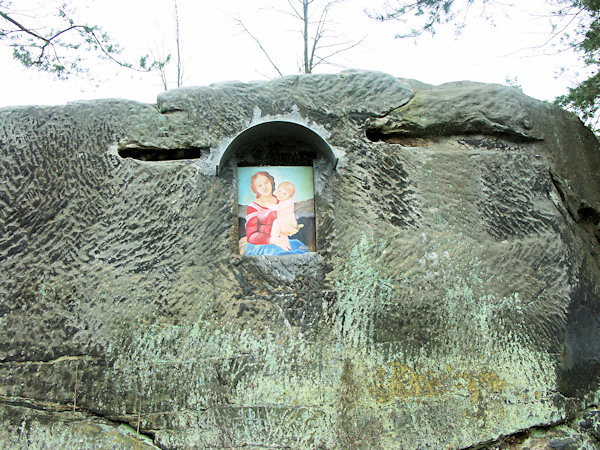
point(276, 210)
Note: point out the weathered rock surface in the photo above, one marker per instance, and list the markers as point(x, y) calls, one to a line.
point(453, 300)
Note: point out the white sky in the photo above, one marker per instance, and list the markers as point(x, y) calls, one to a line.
point(215, 49)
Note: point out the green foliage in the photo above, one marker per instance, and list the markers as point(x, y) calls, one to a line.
point(514, 82)
point(56, 44)
point(585, 98)
point(584, 15)
point(426, 14)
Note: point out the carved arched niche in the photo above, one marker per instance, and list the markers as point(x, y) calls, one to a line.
point(278, 143)
point(294, 153)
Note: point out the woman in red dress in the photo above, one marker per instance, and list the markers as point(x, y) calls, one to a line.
point(260, 218)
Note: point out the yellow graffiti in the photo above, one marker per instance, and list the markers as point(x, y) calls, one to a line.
point(399, 381)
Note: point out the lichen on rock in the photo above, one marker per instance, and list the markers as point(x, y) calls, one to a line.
point(453, 300)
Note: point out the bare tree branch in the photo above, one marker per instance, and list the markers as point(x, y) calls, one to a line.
point(327, 57)
point(320, 31)
point(21, 27)
point(56, 50)
point(296, 13)
point(307, 67)
point(178, 43)
point(314, 32)
point(239, 21)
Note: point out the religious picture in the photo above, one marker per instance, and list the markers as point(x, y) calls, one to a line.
point(276, 210)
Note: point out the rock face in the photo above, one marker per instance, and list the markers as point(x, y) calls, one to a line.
point(453, 299)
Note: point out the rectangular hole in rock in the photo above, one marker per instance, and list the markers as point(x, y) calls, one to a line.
point(161, 154)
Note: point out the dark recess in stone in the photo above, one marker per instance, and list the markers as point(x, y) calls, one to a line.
point(276, 151)
point(590, 220)
point(374, 135)
point(579, 371)
point(277, 143)
point(162, 154)
point(429, 136)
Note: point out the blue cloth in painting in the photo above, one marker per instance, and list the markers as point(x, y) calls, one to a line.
point(271, 249)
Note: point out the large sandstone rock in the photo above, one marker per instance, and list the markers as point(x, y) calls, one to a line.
point(453, 300)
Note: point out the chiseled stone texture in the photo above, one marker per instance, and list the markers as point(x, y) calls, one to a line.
point(453, 300)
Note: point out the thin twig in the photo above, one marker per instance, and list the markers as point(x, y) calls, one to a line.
point(21, 27)
point(239, 21)
point(178, 42)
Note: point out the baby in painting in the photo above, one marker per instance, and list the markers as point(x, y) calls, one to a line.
point(286, 215)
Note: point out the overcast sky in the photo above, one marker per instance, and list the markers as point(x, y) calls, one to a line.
point(216, 49)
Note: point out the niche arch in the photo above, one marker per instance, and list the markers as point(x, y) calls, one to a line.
point(277, 142)
point(281, 145)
